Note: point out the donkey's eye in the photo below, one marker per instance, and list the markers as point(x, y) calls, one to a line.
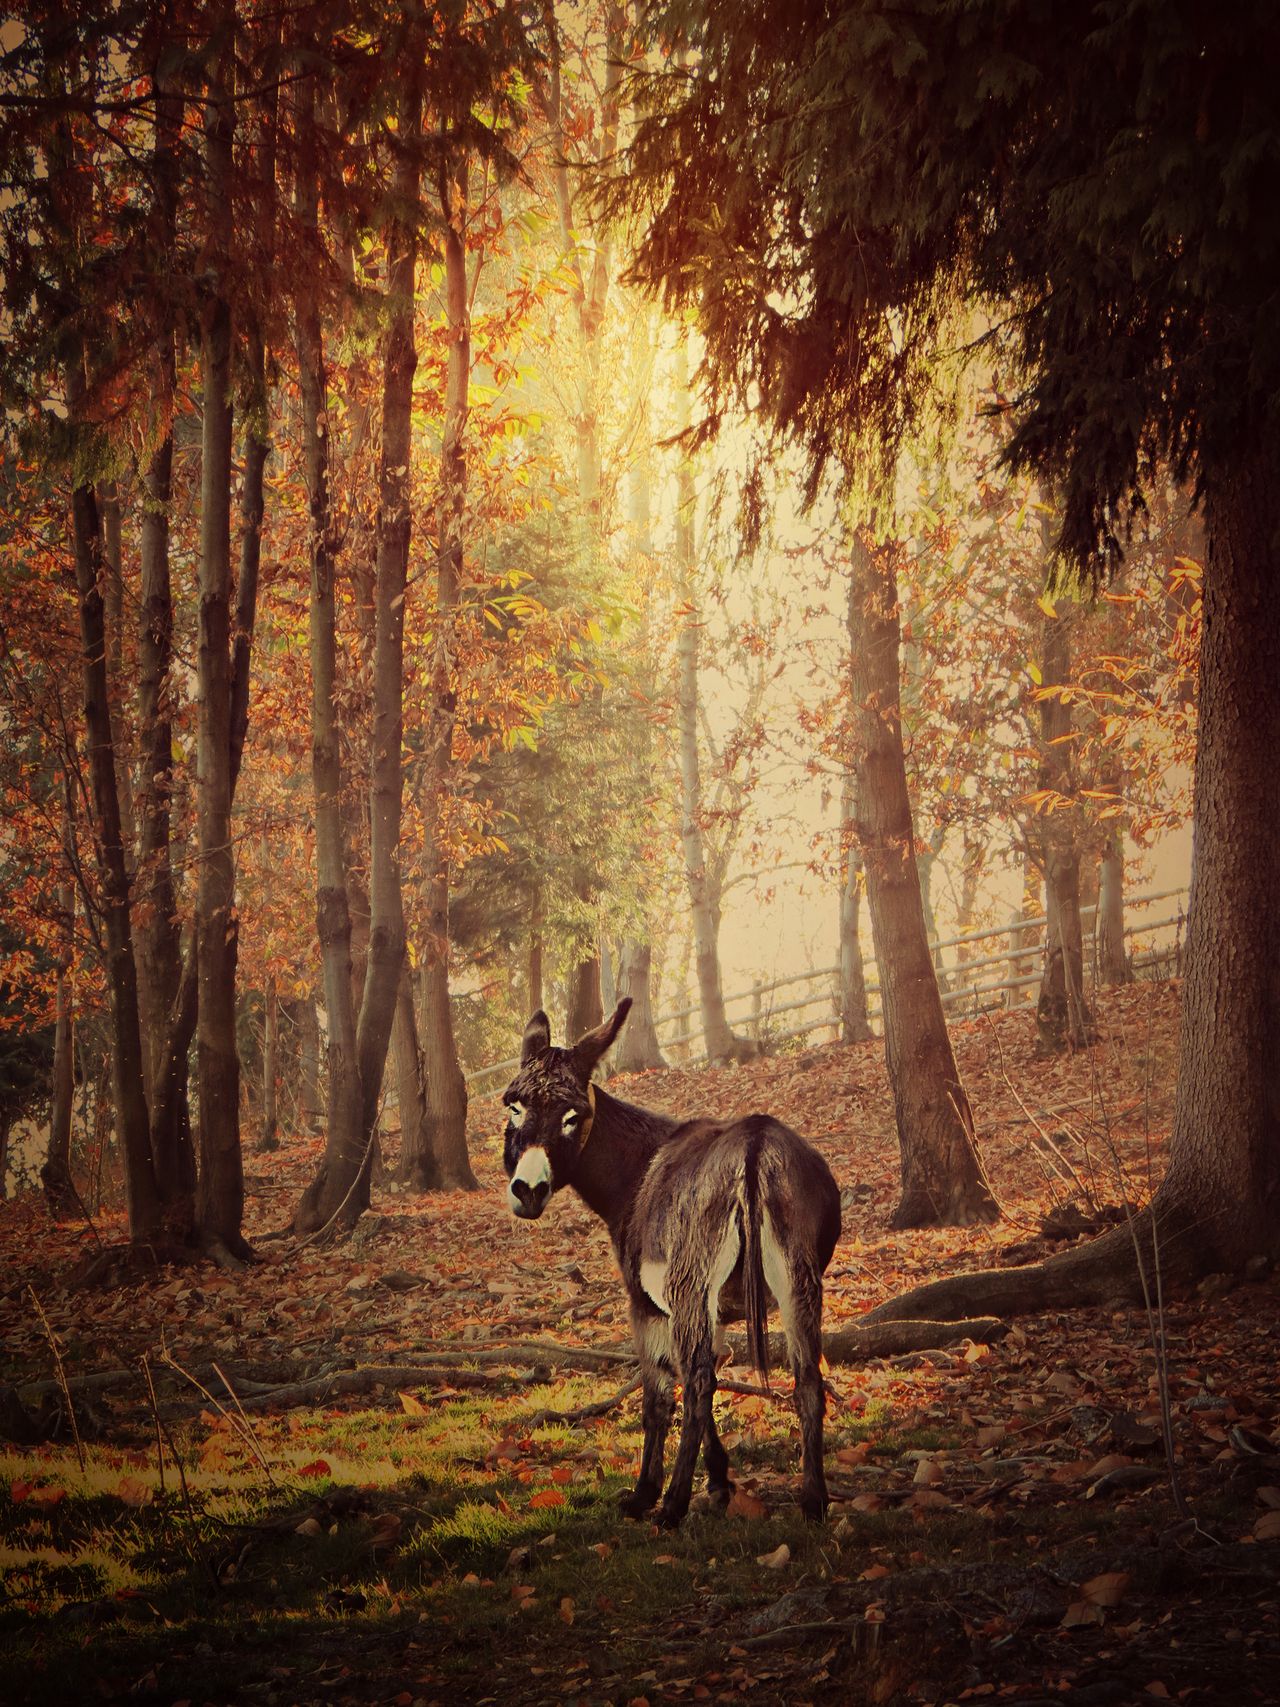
point(570, 1120)
point(516, 1113)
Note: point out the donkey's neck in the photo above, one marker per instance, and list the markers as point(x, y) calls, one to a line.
point(622, 1142)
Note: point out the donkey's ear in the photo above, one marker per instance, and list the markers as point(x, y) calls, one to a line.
point(588, 1050)
point(537, 1037)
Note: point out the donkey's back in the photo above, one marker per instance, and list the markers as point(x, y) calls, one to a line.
point(715, 1190)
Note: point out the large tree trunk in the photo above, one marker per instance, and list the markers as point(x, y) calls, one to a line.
point(1219, 1202)
point(68, 178)
point(128, 1091)
point(1063, 1019)
point(342, 1179)
point(638, 1048)
point(586, 998)
point(446, 1089)
point(220, 1193)
point(942, 1178)
point(855, 1023)
point(168, 1004)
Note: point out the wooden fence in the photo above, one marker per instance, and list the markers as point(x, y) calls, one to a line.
point(992, 980)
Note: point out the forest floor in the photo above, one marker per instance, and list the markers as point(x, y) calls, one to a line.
point(407, 1503)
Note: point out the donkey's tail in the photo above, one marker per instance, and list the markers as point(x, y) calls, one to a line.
point(755, 1294)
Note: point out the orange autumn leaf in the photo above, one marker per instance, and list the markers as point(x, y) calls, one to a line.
point(546, 1497)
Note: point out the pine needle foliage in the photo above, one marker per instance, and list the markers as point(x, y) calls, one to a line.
point(835, 184)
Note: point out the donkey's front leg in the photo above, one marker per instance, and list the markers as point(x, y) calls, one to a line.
point(657, 1406)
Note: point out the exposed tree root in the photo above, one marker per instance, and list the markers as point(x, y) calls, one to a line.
point(1103, 1271)
point(891, 1338)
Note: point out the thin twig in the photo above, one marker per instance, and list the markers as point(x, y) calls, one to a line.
point(155, 1412)
point(235, 1400)
point(241, 1430)
point(61, 1375)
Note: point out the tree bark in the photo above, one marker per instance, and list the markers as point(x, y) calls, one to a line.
point(855, 1023)
point(586, 998)
point(342, 1176)
point(1063, 1019)
point(128, 1090)
point(1113, 959)
point(310, 1098)
point(55, 1176)
point(220, 1192)
point(446, 1089)
point(638, 1048)
point(269, 1137)
point(417, 1166)
point(718, 1038)
point(942, 1178)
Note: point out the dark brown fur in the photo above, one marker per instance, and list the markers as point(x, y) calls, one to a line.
point(696, 1210)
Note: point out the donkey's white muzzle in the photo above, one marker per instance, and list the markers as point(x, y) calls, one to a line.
point(530, 1185)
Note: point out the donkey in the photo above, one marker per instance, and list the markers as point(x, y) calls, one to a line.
point(711, 1222)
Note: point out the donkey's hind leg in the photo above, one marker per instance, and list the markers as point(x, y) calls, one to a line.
point(797, 1286)
point(657, 1405)
point(691, 1342)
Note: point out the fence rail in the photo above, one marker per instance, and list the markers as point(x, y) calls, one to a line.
point(958, 988)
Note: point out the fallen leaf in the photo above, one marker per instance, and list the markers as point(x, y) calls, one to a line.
point(566, 1610)
point(743, 1504)
point(873, 1573)
point(1107, 1589)
point(546, 1497)
point(413, 1407)
point(1267, 1528)
point(1081, 1612)
point(310, 1527)
point(317, 1467)
point(774, 1561)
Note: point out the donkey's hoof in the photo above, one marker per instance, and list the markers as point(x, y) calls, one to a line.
point(639, 1501)
point(669, 1516)
point(813, 1506)
point(719, 1495)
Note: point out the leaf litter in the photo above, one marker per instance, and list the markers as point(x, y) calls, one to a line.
point(1001, 1525)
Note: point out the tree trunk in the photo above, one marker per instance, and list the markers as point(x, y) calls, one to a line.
point(220, 1193)
point(1223, 1185)
point(638, 1048)
point(310, 1098)
point(855, 1023)
point(269, 1138)
point(1219, 1202)
point(1113, 960)
point(128, 1091)
point(942, 1177)
point(341, 1183)
point(535, 953)
point(55, 1176)
point(445, 1086)
point(417, 1166)
point(1063, 1019)
point(586, 998)
point(718, 1039)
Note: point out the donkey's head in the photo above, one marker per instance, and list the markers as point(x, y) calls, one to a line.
point(550, 1109)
